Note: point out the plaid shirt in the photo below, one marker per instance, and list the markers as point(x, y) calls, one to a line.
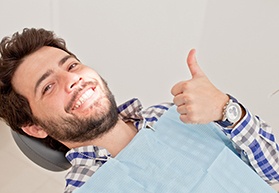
point(252, 138)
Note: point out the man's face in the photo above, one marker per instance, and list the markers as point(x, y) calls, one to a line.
point(68, 99)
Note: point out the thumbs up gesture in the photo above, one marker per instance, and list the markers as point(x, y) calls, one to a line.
point(197, 99)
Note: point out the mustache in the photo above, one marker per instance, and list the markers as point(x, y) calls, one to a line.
point(76, 94)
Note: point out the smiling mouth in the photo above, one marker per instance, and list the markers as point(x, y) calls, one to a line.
point(82, 95)
point(83, 98)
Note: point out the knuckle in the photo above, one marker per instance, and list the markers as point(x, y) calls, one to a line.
point(190, 110)
point(185, 97)
point(185, 85)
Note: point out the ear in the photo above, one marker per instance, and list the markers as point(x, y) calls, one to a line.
point(35, 131)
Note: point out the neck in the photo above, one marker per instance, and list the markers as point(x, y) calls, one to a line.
point(114, 140)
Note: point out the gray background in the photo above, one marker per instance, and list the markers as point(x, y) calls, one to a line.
point(140, 46)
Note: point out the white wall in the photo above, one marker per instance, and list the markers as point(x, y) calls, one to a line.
point(139, 46)
point(240, 52)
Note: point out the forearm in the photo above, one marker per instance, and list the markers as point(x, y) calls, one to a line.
point(258, 143)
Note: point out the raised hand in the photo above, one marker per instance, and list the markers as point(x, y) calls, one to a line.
point(197, 99)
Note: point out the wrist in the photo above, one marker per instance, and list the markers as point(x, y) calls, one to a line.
point(222, 104)
point(232, 113)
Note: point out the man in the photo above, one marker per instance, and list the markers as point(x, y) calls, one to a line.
point(47, 93)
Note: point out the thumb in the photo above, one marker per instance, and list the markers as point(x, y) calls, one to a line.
point(193, 66)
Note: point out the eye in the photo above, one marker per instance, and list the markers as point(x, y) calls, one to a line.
point(72, 66)
point(47, 88)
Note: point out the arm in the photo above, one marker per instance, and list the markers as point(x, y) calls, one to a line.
point(199, 101)
point(257, 143)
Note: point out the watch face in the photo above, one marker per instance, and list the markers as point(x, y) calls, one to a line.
point(233, 112)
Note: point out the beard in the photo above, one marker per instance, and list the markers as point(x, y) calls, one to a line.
point(81, 129)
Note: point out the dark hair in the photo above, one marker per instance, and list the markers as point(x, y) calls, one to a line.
point(14, 108)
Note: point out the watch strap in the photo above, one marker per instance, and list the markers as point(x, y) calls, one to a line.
point(226, 122)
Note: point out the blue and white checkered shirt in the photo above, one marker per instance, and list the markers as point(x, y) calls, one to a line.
point(252, 138)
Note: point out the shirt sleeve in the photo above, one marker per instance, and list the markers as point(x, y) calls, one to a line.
point(256, 143)
point(153, 113)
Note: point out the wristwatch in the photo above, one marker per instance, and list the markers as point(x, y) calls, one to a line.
point(231, 114)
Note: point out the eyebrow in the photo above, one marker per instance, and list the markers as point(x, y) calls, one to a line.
point(49, 72)
point(43, 77)
point(64, 59)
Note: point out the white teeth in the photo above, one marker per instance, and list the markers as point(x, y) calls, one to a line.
point(83, 98)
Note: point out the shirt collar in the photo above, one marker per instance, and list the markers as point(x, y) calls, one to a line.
point(94, 154)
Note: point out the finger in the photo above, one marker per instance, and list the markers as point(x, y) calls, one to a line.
point(184, 118)
point(177, 88)
point(182, 109)
point(189, 119)
point(180, 99)
point(193, 66)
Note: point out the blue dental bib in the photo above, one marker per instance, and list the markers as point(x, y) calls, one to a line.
point(176, 158)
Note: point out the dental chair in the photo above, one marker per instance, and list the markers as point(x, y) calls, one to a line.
point(43, 156)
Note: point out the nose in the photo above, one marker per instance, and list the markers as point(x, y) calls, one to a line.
point(73, 81)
